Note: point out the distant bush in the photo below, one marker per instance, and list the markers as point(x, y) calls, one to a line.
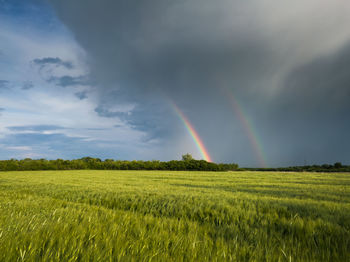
point(110, 164)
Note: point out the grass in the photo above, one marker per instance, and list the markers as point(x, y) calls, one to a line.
point(174, 216)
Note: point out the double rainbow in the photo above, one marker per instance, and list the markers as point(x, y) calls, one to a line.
point(243, 119)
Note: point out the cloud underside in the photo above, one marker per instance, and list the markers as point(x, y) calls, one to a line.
point(56, 61)
point(286, 64)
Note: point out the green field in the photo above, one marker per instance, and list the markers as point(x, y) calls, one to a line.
point(174, 216)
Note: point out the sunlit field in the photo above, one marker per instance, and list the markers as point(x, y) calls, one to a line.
point(174, 216)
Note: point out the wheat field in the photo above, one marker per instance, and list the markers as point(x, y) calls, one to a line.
point(174, 216)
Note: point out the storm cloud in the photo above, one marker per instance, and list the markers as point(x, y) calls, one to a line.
point(314, 110)
point(285, 63)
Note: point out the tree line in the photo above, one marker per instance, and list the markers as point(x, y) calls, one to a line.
point(336, 167)
point(187, 164)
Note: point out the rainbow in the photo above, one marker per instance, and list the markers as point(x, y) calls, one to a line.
point(248, 127)
point(196, 138)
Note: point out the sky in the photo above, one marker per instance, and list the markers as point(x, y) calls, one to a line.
point(259, 83)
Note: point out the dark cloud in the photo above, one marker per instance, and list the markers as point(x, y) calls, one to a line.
point(192, 53)
point(313, 111)
point(66, 80)
point(321, 87)
point(42, 62)
point(141, 55)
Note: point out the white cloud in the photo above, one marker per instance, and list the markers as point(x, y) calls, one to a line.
point(46, 103)
point(19, 148)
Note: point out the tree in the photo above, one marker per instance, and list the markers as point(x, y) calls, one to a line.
point(338, 165)
point(187, 157)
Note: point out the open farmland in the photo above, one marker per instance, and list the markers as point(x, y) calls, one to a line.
point(174, 216)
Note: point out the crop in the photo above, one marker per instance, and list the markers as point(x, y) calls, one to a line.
point(92, 215)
